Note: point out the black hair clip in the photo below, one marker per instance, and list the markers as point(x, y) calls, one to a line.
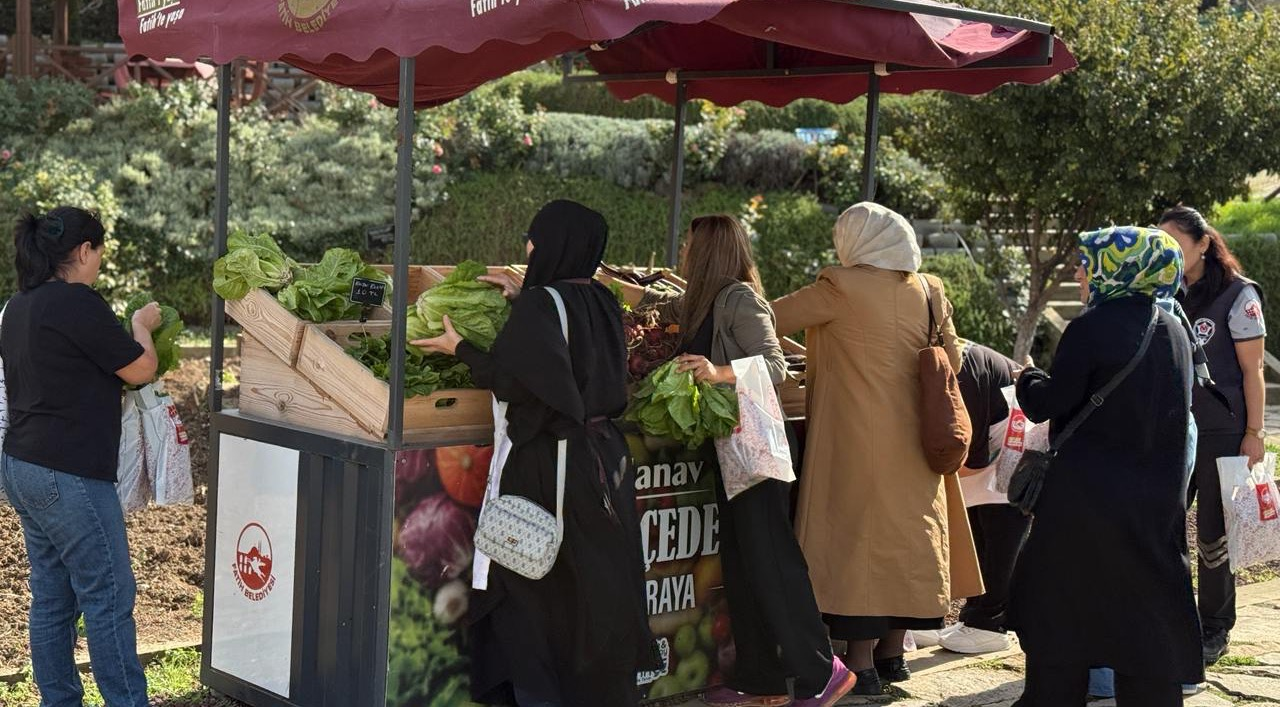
point(53, 226)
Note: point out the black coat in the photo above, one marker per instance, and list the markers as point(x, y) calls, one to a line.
point(1104, 579)
point(577, 636)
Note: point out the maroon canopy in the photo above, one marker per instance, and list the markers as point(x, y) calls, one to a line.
point(814, 49)
point(459, 44)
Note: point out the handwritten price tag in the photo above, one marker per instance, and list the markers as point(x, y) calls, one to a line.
point(370, 293)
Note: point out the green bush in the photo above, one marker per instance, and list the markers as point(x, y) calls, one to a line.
point(1248, 217)
point(37, 187)
point(40, 108)
point(544, 90)
point(1260, 257)
point(628, 153)
point(979, 311)
point(769, 159)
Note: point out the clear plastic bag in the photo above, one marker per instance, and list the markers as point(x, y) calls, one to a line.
point(1021, 435)
point(757, 450)
point(1251, 507)
point(167, 449)
point(132, 485)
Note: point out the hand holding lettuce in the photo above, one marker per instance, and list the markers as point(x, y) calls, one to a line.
point(477, 310)
point(165, 337)
point(672, 404)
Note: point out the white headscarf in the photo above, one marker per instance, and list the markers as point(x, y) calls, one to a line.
point(870, 234)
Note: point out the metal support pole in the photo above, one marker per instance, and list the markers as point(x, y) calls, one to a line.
point(677, 177)
point(872, 138)
point(221, 206)
point(400, 278)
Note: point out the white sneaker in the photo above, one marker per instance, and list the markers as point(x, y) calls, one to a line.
point(972, 641)
point(929, 639)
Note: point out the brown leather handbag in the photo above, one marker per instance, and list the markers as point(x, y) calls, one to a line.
point(945, 431)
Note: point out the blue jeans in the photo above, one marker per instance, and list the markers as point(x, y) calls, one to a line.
point(79, 555)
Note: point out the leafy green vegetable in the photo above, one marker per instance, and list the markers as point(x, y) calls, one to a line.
point(321, 292)
point(672, 404)
point(251, 262)
point(165, 337)
point(426, 666)
point(424, 373)
point(478, 310)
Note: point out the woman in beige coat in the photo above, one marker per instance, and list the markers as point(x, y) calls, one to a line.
point(886, 539)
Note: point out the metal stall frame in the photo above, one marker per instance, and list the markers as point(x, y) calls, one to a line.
point(345, 486)
point(874, 71)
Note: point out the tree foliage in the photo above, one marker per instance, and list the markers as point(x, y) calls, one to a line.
point(1167, 106)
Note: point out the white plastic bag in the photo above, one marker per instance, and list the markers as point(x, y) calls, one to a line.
point(167, 449)
point(1020, 436)
point(757, 450)
point(132, 485)
point(1251, 507)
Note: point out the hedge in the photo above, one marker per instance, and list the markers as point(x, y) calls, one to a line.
point(486, 213)
point(544, 90)
point(1248, 217)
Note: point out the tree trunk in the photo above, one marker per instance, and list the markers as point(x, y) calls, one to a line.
point(1039, 291)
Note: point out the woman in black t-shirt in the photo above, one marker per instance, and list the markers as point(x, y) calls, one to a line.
point(66, 358)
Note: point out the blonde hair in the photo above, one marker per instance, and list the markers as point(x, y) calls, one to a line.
point(717, 254)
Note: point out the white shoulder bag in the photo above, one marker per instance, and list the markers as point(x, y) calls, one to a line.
point(516, 532)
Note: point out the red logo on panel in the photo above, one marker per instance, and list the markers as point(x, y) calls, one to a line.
point(253, 563)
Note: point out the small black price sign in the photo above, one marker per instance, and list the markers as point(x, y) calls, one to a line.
point(369, 293)
point(380, 237)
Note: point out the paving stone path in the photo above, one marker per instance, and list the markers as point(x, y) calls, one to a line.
point(1248, 677)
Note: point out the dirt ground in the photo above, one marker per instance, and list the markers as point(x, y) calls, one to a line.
point(167, 544)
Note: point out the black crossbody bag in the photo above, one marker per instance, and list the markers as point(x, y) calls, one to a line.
point(1028, 478)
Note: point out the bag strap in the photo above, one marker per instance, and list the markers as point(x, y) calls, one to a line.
point(935, 333)
point(562, 449)
point(1097, 399)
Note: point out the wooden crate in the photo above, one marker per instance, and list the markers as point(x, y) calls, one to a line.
point(272, 390)
point(299, 372)
point(324, 362)
point(267, 321)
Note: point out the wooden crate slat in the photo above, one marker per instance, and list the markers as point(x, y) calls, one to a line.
point(271, 390)
point(275, 327)
point(448, 408)
point(355, 389)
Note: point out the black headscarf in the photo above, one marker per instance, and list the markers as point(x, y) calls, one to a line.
point(588, 377)
point(569, 241)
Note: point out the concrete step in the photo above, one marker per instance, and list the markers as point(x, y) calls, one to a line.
point(1064, 291)
point(1068, 309)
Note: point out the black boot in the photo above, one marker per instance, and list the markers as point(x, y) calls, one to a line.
point(868, 683)
point(1215, 645)
point(893, 670)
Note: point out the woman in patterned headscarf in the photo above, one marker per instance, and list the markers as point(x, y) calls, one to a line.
point(1107, 557)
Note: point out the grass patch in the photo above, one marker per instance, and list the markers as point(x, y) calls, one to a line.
point(1237, 661)
point(173, 680)
point(997, 664)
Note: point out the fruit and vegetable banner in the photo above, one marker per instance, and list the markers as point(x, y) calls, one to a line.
point(437, 501)
point(680, 532)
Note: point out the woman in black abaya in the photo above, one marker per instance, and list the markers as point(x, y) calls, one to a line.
point(576, 637)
